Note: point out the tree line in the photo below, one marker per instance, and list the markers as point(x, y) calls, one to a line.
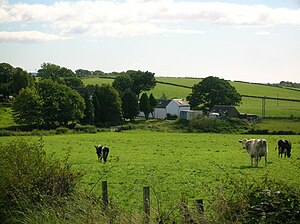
point(57, 96)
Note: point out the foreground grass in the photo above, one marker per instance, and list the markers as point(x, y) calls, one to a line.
point(174, 165)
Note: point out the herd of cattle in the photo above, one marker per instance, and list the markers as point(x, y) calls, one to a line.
point(258, 148)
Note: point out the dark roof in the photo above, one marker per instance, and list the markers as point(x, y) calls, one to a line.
point(224, 109)
point(162, 103)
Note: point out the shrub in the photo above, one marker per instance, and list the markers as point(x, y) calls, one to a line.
point(85, 129)
point(251, 201)
point(61, 130)
point(29, 178)
point(204, 124)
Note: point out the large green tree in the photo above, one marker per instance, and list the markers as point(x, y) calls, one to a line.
point(61, 104)
point(59, 75)
point(213, 91)
point(142, 81)
point(136, 81)
point(27, 107)
point(110, 104)
point(12, 80)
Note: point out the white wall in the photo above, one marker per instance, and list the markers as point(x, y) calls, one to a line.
point(160, 113)
point(173, 108)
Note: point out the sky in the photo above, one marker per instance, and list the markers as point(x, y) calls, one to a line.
point(247, 40)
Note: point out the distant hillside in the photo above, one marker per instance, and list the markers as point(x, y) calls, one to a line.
point(178, 88)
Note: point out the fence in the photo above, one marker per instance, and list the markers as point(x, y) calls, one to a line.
point(146, 201)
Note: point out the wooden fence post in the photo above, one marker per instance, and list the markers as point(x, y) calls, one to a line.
point(146, 194)
point(199, 205)
point(104, 194)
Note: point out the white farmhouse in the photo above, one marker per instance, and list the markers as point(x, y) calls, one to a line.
point(172, 107)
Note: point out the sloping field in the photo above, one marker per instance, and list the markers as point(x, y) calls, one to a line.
point(174, 165)
point(274, 108)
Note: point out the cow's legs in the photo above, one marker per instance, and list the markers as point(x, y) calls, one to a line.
point(256, 161)
point(266, 160)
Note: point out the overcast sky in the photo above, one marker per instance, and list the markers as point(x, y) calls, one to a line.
point(247, 40)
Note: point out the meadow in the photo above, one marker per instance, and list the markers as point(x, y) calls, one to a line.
point(174, 165)
point(274, 108)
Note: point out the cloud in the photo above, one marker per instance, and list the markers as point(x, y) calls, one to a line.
point(140, 17)
point(263, 33)
point(27, 36)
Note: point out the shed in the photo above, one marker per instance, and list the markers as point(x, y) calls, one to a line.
point(225, 111)
point(190, 114)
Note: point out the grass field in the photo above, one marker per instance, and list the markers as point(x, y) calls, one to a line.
point(274, 108)
point(174, 165)
point(6, 117)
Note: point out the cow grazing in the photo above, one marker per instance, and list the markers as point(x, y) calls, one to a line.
point(102, 152)
point(284, 147)
point(256, 148)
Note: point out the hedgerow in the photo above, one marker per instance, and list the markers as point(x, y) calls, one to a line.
point(29, 178)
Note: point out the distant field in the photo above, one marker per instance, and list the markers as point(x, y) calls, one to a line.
point(175, 165)
point(6, 118)
point(274, 108)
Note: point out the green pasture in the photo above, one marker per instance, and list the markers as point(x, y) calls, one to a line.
point(274, 108)
point(6, 117)
point(174, 165)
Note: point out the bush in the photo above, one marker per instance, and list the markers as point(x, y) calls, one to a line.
point(62, 130)
point(85, 129)
point(251, 201)
point(29, 178)
point(204, 124)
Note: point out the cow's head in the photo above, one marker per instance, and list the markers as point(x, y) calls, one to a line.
point(98, 149)
point(244, 143)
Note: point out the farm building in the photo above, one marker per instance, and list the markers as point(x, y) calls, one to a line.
point(225, 111)
point(171, 107)
point(189, 114)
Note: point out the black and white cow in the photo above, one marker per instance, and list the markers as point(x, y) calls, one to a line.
point(102, 152)
point(284, 147)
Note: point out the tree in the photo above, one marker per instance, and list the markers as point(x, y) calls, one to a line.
point(73, 82)
point(123, 83)
point(142, 81)
point(136, 81)
point(213, 91)
point(89, 112)
point(83, 73)
point(12, 80)
point(21, 79)
point(59, 75)
point(145, 105)
point(96, 105)
point(61, 103)
point(130, 105)
point(49, 71)
point(110, 104)
point(6, 72)
point(27, 107)
point(153, 103)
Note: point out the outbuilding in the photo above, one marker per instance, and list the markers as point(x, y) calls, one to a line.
point(225, 111)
